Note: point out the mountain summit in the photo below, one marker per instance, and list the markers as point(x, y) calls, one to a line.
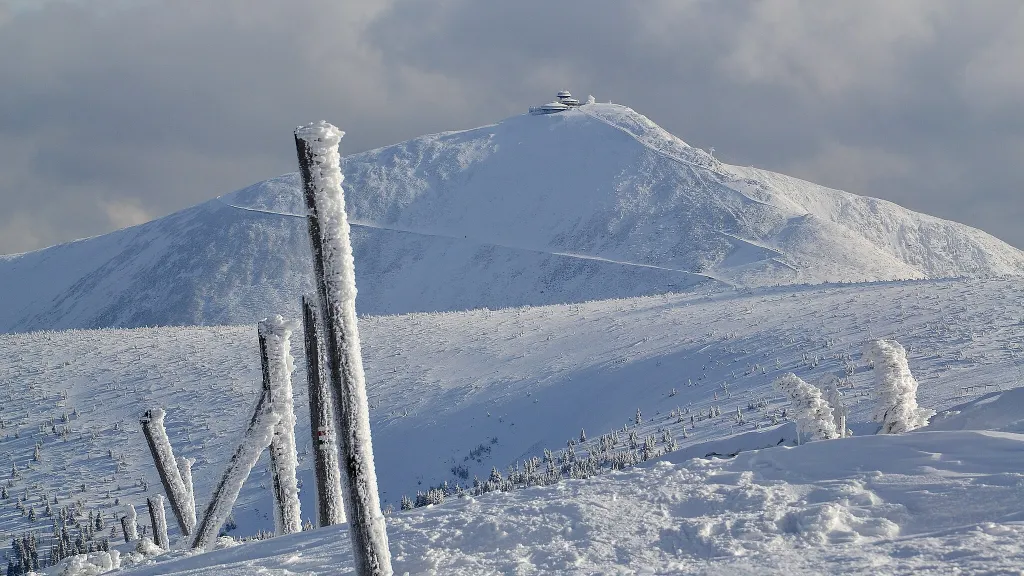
point(593, 202)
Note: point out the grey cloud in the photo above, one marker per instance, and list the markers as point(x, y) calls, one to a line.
point(151, 106)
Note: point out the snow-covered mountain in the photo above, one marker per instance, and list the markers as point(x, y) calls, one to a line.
point(591, 203)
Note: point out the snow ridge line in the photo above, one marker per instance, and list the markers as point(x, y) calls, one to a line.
point(695, 168)
point(363, 224)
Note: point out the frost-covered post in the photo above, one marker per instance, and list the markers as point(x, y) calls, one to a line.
point(166, 466)
point(129, 523)
point(329, 503)
point(812, 413)
point(255, 440)
point(158, 520)
point(275, 350)
point(334, 270)
point(185, 469)
point(895, 389)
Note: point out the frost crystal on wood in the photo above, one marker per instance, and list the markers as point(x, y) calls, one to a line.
point(334, 269)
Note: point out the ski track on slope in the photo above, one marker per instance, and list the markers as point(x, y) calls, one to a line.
point(434, 234)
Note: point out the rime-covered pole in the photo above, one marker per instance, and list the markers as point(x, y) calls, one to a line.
point(130, 523)
point(278, 365)
point(334, 269)
point(185, 469)
point(329, 504)
point(158, 520)
point(256, 439)
point(124, 529)
point(166, 466)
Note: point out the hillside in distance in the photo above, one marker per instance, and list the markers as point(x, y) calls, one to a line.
point(592, 203)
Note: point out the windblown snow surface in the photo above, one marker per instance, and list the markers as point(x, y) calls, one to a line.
point(490, 388)
point(593, 203)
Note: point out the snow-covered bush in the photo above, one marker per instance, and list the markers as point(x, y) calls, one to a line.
point(92, 564)
point(835, 400)
point(895, 389)
point(812, 413)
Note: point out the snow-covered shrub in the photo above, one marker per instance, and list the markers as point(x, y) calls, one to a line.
point(92, 564)
point(812, 413)
point(895, 389)
point(835, 399)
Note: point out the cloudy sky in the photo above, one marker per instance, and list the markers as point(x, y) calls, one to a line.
point(113, 112)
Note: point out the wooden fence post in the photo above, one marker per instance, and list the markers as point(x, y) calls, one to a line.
point(320, 167)
point(278, 388)
point(158, 520)
point(330, 507)
point(166, 466)
point(255, 440)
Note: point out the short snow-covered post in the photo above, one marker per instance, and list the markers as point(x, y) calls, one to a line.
point(334, 270)
point(256, 439)
point(185, 469)
point(329, 505)
point(129, 523)
point(895, 389)
point(167, 468)
point(275, 343)
point(158, 520)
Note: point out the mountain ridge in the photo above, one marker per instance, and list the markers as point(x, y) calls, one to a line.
point(591, 203)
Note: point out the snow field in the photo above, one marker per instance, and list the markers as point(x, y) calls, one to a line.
point(442, 386)
point(870, 505)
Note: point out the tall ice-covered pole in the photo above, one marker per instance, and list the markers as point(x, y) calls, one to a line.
point(334, 270)
point(329, 502)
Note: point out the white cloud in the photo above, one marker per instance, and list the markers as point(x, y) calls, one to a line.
point(125, 213)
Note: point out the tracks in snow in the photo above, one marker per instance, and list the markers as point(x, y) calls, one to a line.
point(435, 234)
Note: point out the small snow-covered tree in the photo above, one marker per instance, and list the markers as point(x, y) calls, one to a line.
point(583, 435)
point(812, 413)
point(839, 410)
point(895, 389)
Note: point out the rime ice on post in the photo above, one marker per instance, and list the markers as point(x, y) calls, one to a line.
point(334, 269)
point(130, 524)
point(278, 365)
point(167, 467)
point(185, 469)
point(158, 520)
point(895, 389)
point(330, 505)
point(256, 439)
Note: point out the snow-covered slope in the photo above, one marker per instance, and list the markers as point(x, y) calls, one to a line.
point(592, 203)
point(481, 389)
point(923, 503)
